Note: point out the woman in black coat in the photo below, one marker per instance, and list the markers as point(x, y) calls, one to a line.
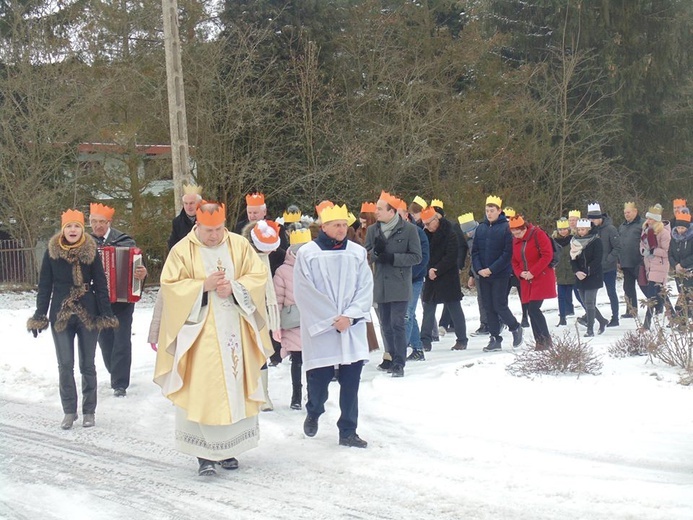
point(72, 282)
point(586, 260)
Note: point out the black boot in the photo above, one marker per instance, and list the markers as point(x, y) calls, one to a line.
point(296, 397)
point(603, 322)
point(561, 322)
point(206, 467)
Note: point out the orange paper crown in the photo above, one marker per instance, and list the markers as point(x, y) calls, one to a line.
point(390, 199)
point(517, 222)
point(211, 219)
point(428, 213)
point(99, 209)
point(72, 215)
point(368, 207)
point(679, 203)
point(266, 231)
point(254, 199)
point(402, 205)
point(324, 204)
point(684, 217)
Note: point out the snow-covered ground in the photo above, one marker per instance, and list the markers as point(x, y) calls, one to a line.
point(457, 438)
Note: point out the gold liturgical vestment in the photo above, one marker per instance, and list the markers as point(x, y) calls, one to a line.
point(209, 358)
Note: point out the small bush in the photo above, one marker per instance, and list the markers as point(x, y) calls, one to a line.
point(633, 343)
point(568, 354)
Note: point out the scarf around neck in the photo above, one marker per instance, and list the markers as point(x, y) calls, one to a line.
point(578, 244)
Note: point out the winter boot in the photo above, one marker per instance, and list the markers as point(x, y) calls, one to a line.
point(561, 322)
point(483, 330)
point(386, 365)
point(267, 406)
point(525, 320)
point(296, 397)
point(310, 426)
point(603, 323)
point(416, 355)
point(231, 463)
point(589, 333)
point(88, 420)
point(459, 345)
point(397, 371)
point(613, 322)
point(206, 468)
point(494, 344)
point(68, 420)
point(517, 336)
point(353, 441)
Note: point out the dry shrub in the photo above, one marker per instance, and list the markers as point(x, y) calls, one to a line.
point(633, 343)
point(568, 354)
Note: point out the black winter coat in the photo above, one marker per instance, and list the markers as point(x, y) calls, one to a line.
point(72, 282)
point(564, 271)
point(493, 247)
point(681, 250)
point(443, 257)
point(180, 227)
point(589, 261)
point(629, 243)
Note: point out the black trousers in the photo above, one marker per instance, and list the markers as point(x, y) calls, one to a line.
point(116, 345)
point(540, 329)
point(349, 378)
point(296, 368)
point(495, 297)
point(392, 317)
point(65, 351)
point(630, 279)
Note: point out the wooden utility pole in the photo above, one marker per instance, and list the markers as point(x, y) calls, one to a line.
point(178, 120)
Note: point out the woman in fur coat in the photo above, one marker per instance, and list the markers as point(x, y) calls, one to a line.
point(72, 282)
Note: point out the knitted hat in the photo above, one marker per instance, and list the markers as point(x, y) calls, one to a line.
point(509, 212)
point(574, 213)
point(101, 210)
point(655, 212)
point(594, 210)
point(562, 223)
point(72, 216)
point(467, 222)
point(265, 235)
point(517, 222)
point(584, 223)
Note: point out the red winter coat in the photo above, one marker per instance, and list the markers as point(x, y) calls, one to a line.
point(528, 257)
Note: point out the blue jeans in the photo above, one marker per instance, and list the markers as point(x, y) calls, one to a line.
point(412, 326)
point(349, 377)
point(565, 300)
point(610, 284)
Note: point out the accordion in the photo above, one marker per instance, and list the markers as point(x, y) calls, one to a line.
point(119, 264)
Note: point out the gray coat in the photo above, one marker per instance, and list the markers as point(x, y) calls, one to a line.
point(610, 244)
point(629, 238)
point(392, 282)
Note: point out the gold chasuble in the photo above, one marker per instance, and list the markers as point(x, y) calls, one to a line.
point(209, 357)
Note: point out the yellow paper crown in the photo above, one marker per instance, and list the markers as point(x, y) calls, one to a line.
point(509, 212)
point(493, 199)
point(102, 210)
point(211, 219)
point(254, 199)
point(351, 218)
point(72, 215)
point(467, 217)
point(574, 213)
point(334, 213)
point(190, 189)
point(562, 223)
point(437, 203)
point(299, 236)
point(630, 205)
point(418, 200)
point(293, 216)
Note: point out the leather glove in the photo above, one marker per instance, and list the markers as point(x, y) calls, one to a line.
point(385, 258)
point(379, 245)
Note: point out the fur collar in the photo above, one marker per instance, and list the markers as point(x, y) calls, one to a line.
point(86, 253)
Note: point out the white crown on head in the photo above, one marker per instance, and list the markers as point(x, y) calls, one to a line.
point(594, 208)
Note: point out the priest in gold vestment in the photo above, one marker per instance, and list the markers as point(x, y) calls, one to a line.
point(213, 329)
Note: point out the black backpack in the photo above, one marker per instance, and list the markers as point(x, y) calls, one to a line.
point(557, 248)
